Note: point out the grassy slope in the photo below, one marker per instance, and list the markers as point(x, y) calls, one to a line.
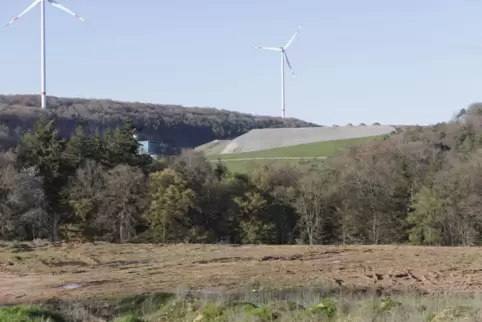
point(310, 150)
point(317, 149)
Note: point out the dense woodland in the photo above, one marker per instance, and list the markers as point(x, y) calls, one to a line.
point(420, 186)
point(173, 127)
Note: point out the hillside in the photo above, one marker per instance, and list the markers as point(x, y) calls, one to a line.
point(173, 125)
point(288, 146)
point(309, 150)
point(264, 139)
point(288, 155)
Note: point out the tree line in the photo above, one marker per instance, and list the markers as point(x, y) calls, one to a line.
point(422, 186)
point(172, 127)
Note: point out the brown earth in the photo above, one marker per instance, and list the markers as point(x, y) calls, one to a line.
point(37, 273)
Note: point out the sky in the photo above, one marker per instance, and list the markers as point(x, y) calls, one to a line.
point(393, 62)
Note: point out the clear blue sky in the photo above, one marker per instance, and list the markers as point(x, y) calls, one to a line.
point(399, 62)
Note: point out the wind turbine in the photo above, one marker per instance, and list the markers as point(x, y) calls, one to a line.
point(57, 5)
point(282, 50)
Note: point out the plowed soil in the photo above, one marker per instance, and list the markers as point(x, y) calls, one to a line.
point(33, 273)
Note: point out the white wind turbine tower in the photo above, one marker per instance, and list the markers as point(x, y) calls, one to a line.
point(282, 50)
point(42, 39)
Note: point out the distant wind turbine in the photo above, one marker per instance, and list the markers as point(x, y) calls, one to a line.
point(42, 39)
point(283, 57)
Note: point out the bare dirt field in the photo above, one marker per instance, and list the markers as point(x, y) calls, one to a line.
point(38, 273)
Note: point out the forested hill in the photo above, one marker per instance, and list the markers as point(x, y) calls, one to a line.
point(173, 125)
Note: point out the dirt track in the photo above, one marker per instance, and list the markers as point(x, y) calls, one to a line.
point(113, 270)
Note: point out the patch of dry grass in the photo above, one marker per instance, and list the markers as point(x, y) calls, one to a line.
point(36, 272)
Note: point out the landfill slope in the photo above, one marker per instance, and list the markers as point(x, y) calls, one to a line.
point(265, 139)
point(213, 147)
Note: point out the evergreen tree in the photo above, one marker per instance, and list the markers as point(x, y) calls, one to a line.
point(425, 220)
point(121, 147)
point(44, 149)
point(81, 147)
point(171, 200)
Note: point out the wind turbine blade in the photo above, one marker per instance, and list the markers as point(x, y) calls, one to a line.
point(293, 37)
point(61, 7)
point(268, 48)
point(289, 65)
point(33, 4)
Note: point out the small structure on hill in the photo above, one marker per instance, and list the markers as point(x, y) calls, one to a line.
point(156, 148)
point(145, 147)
